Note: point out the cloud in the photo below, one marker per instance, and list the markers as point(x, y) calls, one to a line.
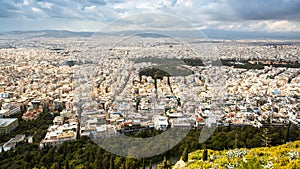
point(150, 21)
point(283, 25)
point(45, 5)
point(266, 9)
point(9, 9)
point(268, 15)
point(36, 10)
point(90, 9)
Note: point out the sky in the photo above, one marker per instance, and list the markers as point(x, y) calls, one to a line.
point(97, 15)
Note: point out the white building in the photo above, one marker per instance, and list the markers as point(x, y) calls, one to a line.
point(4, 113)
point(160, 122)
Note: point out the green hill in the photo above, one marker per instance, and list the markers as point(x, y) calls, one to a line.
point(284, 156)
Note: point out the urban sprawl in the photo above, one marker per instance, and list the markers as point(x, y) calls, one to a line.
point(100, 90)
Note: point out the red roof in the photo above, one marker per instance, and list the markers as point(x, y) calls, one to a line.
point(199, 119)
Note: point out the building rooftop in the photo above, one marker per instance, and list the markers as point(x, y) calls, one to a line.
point(6, 121)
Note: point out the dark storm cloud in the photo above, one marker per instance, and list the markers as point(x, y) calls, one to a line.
point(266, 9)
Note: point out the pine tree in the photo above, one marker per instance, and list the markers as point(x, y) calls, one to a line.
point(287, 137)
point(204, 155)
point(165, 163)
point(185, 155)
point(236, 140)
point(2, 149)
point(266, 139)
point(111, 165)
point(98, 160)
point(67, 165)
point(124, 165)
point(59, 164)
point(27, 156)
point(4, 153)
point(143, 164)
point(150, 165)
point(155, 81)
point(52, 155)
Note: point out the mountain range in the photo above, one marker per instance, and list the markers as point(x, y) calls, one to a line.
point(205, 33)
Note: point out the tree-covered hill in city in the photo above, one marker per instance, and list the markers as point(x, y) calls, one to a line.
point(84, 153)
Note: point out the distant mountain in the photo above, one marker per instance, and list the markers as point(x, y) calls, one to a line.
point(151, 35)
point(227, 34)
point(216, 34)
point(205, 33)
point(49, 33)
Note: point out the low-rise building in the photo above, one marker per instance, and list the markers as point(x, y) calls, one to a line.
point(11, 144)
point(4, 113)
point(64, 128)
point(8, 124)
point(160, 122)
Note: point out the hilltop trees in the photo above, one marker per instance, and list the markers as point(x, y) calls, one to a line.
point(84, 152)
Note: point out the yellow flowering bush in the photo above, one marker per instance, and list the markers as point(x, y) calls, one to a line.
point(286, 156)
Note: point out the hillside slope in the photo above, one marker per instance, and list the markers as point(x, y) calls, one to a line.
point(285, 156)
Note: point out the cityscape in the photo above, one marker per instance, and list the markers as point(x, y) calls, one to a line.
point(166, 84)
point(112, 95)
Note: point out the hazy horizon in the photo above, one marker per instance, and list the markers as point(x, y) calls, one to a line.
point(206, 33)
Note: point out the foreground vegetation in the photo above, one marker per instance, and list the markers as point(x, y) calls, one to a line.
point(285, 156)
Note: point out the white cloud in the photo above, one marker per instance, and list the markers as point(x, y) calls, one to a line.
point(25, 2)
point(36, 10)
point(46, 5)
point(90, 9)
point(283, 25)
point(185, 3)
